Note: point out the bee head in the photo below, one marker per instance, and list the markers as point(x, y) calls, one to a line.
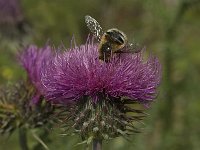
point(116, 36)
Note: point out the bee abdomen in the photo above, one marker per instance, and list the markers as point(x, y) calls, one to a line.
point(105, 51)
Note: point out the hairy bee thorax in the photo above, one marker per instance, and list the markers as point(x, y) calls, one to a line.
point(111, 41)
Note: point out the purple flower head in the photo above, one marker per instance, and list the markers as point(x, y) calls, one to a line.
point(32, 60)
point(95, 96)
point(78, 72)
point(10, 11)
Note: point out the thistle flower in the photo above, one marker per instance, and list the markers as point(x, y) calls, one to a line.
point(32, 60)
point(16, 111)
point(22, 105)
point(10, 12)
point(98, 99)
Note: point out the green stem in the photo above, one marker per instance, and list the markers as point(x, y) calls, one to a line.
point(97, 144)
point(23, 139)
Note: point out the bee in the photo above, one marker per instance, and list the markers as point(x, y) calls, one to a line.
point(110, 42)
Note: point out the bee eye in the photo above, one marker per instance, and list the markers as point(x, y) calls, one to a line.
point(116, 36)
point(119, 40)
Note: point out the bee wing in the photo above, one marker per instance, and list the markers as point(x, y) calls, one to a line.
point(134, 47)
point(130, 48)
point(94, 27)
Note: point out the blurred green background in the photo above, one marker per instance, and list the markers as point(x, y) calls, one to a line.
point(168, 28)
